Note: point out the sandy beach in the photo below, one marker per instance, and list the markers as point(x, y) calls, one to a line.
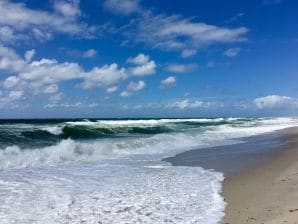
point(261, 176)
point(268, 192)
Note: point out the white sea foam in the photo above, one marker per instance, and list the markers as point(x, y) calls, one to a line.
point(111, 194)
point(123, 123)
point(55, 130)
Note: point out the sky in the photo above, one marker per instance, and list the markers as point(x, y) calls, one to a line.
point(141, 58)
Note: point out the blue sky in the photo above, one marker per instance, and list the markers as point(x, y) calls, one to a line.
point(139, 58)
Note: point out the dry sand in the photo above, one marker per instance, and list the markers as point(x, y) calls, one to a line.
point(266, 193)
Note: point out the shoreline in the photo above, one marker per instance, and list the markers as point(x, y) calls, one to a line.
point(261, 184)
point(233, 158)
point(266, 193)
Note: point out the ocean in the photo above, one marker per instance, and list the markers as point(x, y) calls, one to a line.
point(112, 170)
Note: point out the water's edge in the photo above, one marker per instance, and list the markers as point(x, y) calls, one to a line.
point(233, 158)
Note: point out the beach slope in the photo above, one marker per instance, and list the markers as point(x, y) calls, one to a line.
point(267, 193)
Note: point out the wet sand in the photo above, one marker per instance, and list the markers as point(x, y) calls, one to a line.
point(261, 184)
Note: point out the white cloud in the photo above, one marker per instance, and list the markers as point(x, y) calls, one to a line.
point(181, 68)
point(15, 95)
point(168, 82)
point(43, 76)
point(10, 82)
point(143, 65)
point(125, 93)
point(29, 55)
point(178, 33)
point(143, 70)
point(56, 98)
point(133, 87)
point(122, 7)
point(49, 71)
point(51, 89)
point(275, 101)
point(8, 35)
point(92, 105)
point(17, 21)
point(10, 100)
point(35, 74)
point(112, 89)
point(105, 76)
point(139, 59)
point(188, 52)
point(186, 104)
point(64, 105)
point(38, 74)
point(136, 86)
point(10, 60)
point(70, 8)
point(89, 53)
point(232, 52)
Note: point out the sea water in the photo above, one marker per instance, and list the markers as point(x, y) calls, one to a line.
point(111, 171)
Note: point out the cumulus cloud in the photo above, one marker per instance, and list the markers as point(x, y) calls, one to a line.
point(15, 95)
point(187, 104)
point(232, 52)
point(17, 21)
point(56, 98)
point(178, 33)
point(122, 7)
point(10, 82)
point(136, 86)
point(89, 53)
point(10, 100)
point(92, 105)
point(44, 75)
point(112, 89)
point(9, 35)
point(139, 59)
point(125, 93)
point(29, 55)
point(181, 68)
point(10, 60)
point(133, 87)
point(168, 82)
point(143, 65)
point(64, 105)
point(49, 71)
point(70, 105)
point(105, 76)
point(275, 101)
point(51, 89)
point(70, 8)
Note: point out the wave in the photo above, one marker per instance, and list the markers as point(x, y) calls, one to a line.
point(55, 130)
point(157, 145)
point(38, 134)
